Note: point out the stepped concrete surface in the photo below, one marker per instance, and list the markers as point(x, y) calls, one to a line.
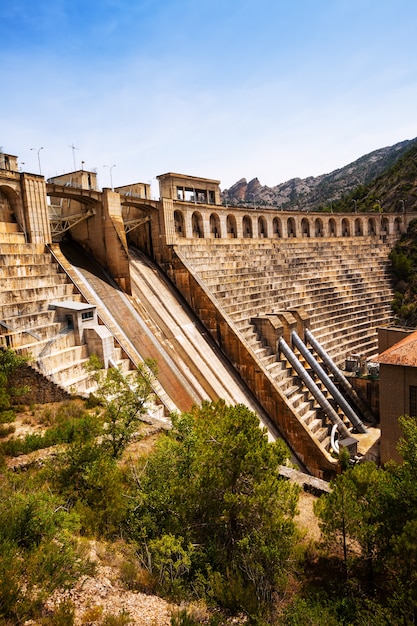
point(344, 288)
point(152, 324)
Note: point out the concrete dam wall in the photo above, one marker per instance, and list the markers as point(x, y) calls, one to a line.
point(209, 292)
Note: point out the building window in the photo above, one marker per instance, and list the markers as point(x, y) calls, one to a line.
point(413, 401)
point(88, 315)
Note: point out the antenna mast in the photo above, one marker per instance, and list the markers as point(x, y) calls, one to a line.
point(73, 148)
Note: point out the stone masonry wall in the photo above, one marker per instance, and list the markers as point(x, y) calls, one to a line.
point(42, 390)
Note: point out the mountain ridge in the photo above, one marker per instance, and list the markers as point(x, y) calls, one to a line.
point(314, 192)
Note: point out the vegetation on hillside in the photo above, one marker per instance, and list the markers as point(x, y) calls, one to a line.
point(9, 363)
point(203, 516)
point(220, 522)
point(394, 190)
point(404, 262)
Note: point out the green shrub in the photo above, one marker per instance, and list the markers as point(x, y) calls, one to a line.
point(137, 578)
point(37, 554)
point(183, 618)
point(7, 417)
point(64, 615)
point(76, 428)
point(7, 429)
point(122, 619)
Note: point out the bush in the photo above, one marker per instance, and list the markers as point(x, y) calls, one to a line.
point(64, 615)
point(65, 431)
point(137, 578)
point(221, 520)
point(183, 618)
point(37, 554)
point(7, 429)
point(123, 619)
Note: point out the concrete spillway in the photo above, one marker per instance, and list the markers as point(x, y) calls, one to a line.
point(155, 323)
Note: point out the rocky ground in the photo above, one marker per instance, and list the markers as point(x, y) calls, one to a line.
point(95, 597)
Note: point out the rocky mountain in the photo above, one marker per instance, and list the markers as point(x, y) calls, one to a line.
point(313, 193)
point(394, 190)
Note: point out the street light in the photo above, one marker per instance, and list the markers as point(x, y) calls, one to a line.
point(111, 179)
point(39, 159)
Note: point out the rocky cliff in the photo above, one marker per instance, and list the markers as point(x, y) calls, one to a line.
point(314, 192)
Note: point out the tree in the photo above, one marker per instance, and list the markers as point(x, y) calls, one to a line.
point(213, 483)
point(352, 513)
point(125, 399)
point(398, 545)
point(375, 510)
point(9, 363)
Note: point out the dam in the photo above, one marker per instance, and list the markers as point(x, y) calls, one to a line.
point(229, 301)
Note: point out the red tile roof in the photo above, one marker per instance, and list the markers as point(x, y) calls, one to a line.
point(402, 353)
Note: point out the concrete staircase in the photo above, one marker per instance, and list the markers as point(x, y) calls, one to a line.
point(29, 282)
point(344, 285)
point(304, 406)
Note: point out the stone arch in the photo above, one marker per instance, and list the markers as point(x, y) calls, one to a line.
point(345, 227)
point(318, 227)
point(305, 227)
point(397, 225)
point(247, 227)
point(385, 226)
point(277, 227)
point(215, 226)
point(332, 227)
point(371, 226)
point(358, 227)
point(7, 204)
point(231, 226)
point(291, 229)
point(262, 227)
point(179, 223)
point(197, 225)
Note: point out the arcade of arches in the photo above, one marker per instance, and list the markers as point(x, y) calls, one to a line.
point(223, 224)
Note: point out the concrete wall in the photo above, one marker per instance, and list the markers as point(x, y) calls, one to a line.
point(35, 208)
point(267, 393)
point(394, 382)
point(24, 201)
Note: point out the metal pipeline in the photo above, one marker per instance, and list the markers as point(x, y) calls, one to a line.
point(312, 387)
point(330, 386)
point(344, 383)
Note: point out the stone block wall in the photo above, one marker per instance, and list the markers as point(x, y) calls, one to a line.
point(42, 390)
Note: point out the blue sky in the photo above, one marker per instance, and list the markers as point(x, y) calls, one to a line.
point(223, 89)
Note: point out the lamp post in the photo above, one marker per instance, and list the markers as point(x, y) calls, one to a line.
point(111, 178)
point(39, 159)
